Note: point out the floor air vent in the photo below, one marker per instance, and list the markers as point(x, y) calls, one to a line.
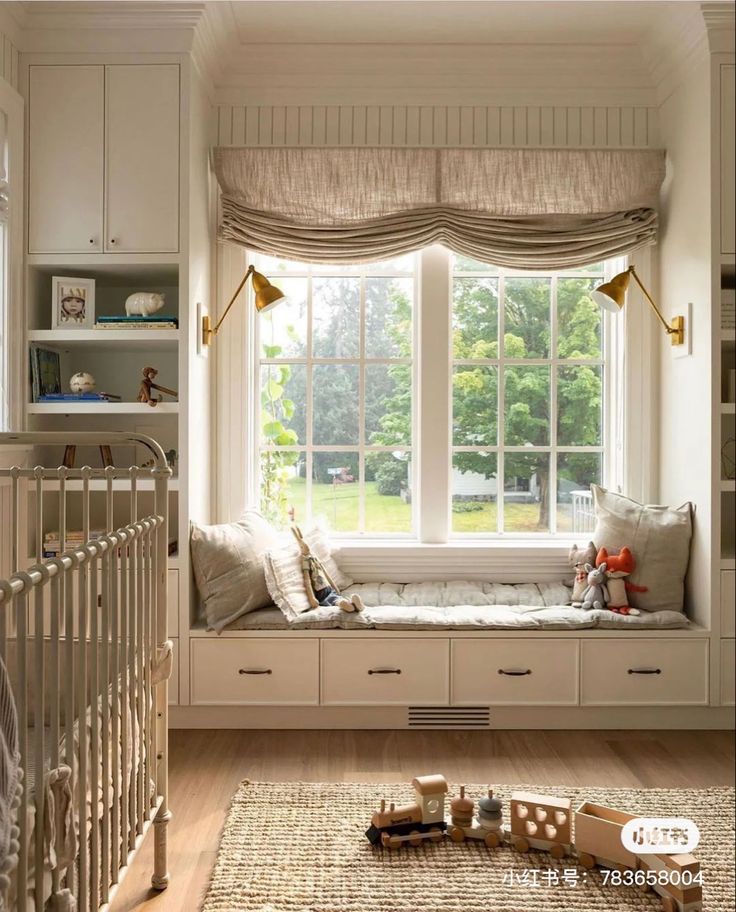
point(449, 717)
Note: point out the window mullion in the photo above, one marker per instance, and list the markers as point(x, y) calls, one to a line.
point(361, 406)
point(309, 468)
point(553, 371)
point(434, 395)
point(501, 421)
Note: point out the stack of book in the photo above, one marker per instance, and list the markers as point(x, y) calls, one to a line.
point(74, 538)
point(149, 322)
point(77, 397)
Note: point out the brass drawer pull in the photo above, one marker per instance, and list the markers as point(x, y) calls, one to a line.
point(645, 671)
point(254, 671)
point(514, 674)
point(384, 671)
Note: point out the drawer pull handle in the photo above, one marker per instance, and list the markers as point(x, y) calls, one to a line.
point(384, 671)
point(645, 671)
point(514, 673)
point(254, 671)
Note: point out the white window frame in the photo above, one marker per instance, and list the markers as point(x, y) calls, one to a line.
point(253, 386)
point(432, 408)
point(12, 358)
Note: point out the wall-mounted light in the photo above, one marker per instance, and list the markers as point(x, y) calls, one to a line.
point(612, 297)
point(267, 296)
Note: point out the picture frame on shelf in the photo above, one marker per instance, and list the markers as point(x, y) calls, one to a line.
point(72, 302)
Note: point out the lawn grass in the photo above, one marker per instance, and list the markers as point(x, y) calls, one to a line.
point(338, 504)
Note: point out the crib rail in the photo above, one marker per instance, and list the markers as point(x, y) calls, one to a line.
point(83, 636)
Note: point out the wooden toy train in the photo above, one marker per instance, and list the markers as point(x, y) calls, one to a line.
point(539, 822)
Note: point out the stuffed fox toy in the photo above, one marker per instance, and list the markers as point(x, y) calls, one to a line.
point(618, 567)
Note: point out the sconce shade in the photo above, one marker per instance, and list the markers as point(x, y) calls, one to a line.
point(267, 295)
point(612, 295)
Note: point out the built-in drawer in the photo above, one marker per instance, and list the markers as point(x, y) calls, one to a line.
point(728, 664)
point(174, 679)
point(646, 671)
point(173, 602)
point(515, 672)
point(257, 670)
point(728, 603)
point(385, 671)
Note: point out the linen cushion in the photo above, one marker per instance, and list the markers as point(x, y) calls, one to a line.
point(659, 538)
point(228, 567)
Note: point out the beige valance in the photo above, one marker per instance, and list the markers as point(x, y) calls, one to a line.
point(524, 208)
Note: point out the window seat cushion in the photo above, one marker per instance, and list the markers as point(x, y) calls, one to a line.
point(460, 605)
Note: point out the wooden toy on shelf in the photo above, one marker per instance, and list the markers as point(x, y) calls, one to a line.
point(412, 823)
point(540, 822)
point(147, 385)
point(487, 825)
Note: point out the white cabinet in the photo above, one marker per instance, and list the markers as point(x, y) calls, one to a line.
point(142, 160)
point(66, 158)
point(104, 159)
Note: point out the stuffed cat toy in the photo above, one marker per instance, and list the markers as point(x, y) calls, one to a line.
point(618, 567)
point(578, 558)
point(596, 592)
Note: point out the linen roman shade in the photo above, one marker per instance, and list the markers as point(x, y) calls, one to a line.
point(521, 208)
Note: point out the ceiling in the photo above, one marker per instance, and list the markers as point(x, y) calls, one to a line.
point(451, 21)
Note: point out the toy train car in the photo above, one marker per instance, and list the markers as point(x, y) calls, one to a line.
point(412, 823)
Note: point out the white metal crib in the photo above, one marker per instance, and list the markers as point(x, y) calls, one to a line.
point(83, 640)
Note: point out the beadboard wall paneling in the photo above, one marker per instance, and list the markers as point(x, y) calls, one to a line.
point(8, 60)
point(437, 125)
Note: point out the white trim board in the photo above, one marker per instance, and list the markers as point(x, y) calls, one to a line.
point(501, 718)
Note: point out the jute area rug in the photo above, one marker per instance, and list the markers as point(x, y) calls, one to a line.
point(299, 847)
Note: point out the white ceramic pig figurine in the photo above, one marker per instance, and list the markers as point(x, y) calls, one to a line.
point(144, 303)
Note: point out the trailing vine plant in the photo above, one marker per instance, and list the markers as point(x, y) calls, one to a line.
point(276, 465)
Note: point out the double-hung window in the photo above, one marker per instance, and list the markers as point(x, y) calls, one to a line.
point(511, 398)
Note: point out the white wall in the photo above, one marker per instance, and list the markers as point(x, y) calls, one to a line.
point(685, 275)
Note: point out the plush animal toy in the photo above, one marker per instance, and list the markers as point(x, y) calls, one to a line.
point(596, 592)
point(318, 583)
point(578, 559)
point(618, 567)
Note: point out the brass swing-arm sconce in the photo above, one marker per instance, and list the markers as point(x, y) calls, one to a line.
point(612, 296)
point(267, 296)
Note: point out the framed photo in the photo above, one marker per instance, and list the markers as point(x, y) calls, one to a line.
point(72, 303)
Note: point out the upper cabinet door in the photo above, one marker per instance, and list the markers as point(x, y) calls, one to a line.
point(142, 180)
point(66, 156)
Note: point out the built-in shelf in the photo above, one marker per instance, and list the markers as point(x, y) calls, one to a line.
point(728, 487)
point(728, 336)
point(106, 338)
point(728, 408)
point(101, 408)
point(728, 563)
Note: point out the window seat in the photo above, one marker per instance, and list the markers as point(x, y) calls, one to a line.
point(461, 605)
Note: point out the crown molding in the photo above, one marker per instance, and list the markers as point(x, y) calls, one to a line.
point(215, 42)
point(719, 24)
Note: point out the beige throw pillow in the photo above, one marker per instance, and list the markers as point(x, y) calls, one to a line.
point(659, 538)
point(228, 567)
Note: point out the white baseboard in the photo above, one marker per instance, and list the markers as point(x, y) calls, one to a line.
point(323, 717)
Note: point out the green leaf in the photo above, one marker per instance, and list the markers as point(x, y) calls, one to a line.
point(271, 351)
point(288, 408)
point(287, 438)
point(275, 390)
point(273, 429)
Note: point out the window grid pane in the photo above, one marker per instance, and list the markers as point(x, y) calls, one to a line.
point(522, 464)
point(336, 388)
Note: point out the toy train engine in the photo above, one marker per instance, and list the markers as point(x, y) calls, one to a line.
point(541, 822)
point(486, 825)
point(412, 823)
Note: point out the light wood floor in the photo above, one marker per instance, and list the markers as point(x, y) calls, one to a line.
point(207, 766)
